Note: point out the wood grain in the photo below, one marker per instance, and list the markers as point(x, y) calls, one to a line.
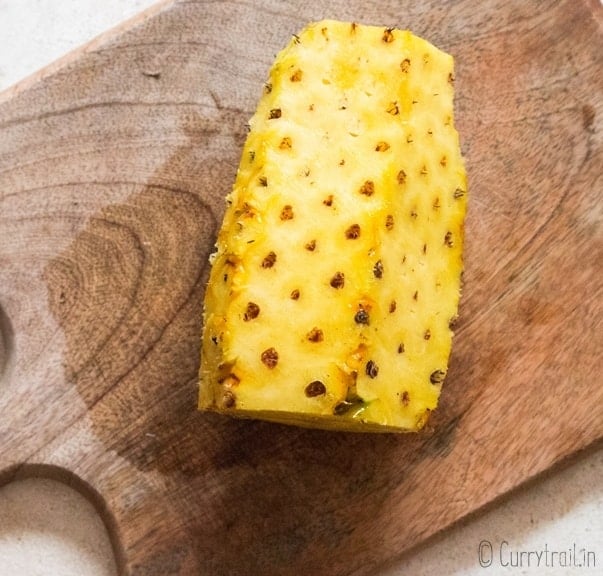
point(113, 170)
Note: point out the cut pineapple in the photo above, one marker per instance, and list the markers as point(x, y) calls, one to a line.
point(338, 264)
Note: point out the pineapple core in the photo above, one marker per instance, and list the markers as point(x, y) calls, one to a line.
point(338, 265)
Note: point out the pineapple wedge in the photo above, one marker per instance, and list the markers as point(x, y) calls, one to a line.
point(338, 264)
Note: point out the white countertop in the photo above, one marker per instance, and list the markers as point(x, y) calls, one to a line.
point(46, 529)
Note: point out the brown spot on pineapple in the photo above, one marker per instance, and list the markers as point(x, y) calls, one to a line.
point(315, 335)
point(437, 377)
point(405, 398)
point(415, 296)
point(401, 348)
point(453, 322)
point(401, 177)
point(368, 188)
point(378, 269)
point(389, 222)
point(424, 248)
point(287, 212)
point(251, 312)
point(267, 88)
point(458, 193)
point(409, 139)
point(274, 114)
point(427, 334)
point(315, 388)
point(353, 27)
point(269, 260)
point(342, 162)
point(263, 181)
point(371, 369)
point(328, 201)
point(338, 280)
point(296, 76)
point(269, 357)
point(443, 161)
point(325, 32)
point(405, 65)
point(423, 171)
point(388, 36)
point(413, 214)
point(448, 241)
point(392, 306)
point(353, 232)
point(381, 146)
point(450, 78)
point(285, 143)
point(310, 246)
point(294, 294)
point(251, 155)
point(436, 203)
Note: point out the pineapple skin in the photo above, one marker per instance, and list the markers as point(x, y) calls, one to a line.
point(338, 265)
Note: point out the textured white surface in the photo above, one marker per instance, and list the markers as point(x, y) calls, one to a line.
point(46, 529)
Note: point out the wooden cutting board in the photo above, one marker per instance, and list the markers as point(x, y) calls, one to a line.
point(113, 168)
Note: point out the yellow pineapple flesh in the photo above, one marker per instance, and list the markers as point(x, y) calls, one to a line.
point(338, 264)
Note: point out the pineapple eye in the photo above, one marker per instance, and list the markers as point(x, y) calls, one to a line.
point(353, 232)
point(378, 269)
point(371, 369)
point(315, 335)
point(229, 399)
point(285, 143)
point(269, 358)
point(315, 388)
point(252, 311)
point(338, 280)
point(296, 76)
point(362, 317)
point(368, 188)
point(388, 36)
point(269, 260)
point(287, 212)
